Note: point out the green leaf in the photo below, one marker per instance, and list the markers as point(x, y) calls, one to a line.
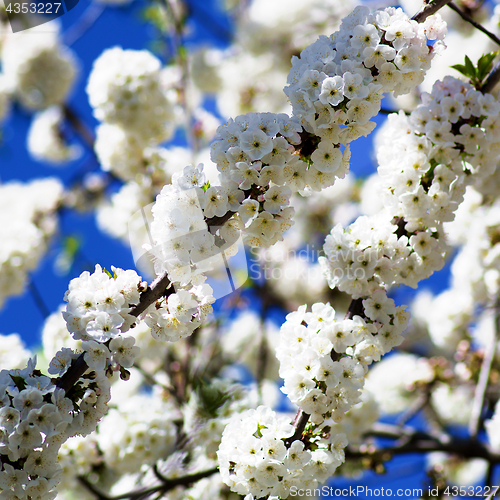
point(461, 69)
point(107, 272)
point(258, 432)
point(210, 399)
point(485, 64)
point(470, 67)
point(19, 382)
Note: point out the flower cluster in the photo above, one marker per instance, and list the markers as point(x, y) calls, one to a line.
point(28, 216)
point(35, 419)
point(336, 85)
point(291, 26)
point(256, 161)
point(97, 312)
point(257, 149)
point(397, 394)
point(372, 252)
point(186, 249)
point(475, 278)
point(452, 139)
point(13, 352)
point(38, 68)
point(256, 459)
point(359, 419)
point(118, 151)
point(125, 89)
point(267, 37)
point(323, 361)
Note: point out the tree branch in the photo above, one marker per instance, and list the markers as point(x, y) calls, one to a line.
point(167, 485)
point(415, 408)
point(476, 25)
point(299, 423)
point(75, 371)
point(429, 9)
point(160, 287)
point(420, 442)
point(355, 309)
point(38, 299)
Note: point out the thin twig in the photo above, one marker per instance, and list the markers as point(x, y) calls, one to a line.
point(167, 485)
point(476, 25)
point(489, 475)
point(429, 9)
point(262, 358)
point(484, 375)
point(437, 428)
point(151, 380)
point(391, 431)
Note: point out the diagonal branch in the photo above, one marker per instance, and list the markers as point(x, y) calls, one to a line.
point(84, 23)
point(476, 25)
point(166, 485)
point(465, 448)
point(410, 440)
point(429, 9)
point(161, 287)
point(299, 423)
